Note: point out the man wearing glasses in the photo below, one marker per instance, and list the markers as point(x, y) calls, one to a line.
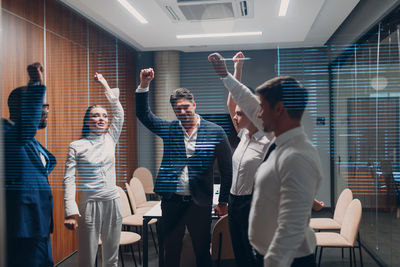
point(29, 202)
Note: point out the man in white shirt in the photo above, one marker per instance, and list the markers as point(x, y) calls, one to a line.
point(287, 182)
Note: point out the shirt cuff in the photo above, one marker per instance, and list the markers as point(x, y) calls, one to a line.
point(282, 262)
point(142, 90)
point(71, 209)
point(233, 86)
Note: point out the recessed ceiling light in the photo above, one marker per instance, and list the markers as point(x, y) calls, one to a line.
point(133, 11)
point(215, 35)
point(284, 7)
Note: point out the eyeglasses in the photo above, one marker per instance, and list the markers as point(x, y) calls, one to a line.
point(46, 107)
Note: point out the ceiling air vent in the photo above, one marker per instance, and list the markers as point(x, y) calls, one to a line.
point(203, 10)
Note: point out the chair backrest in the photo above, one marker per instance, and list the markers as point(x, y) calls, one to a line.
point(125, 208)
point(221, 243)
point(145, 176)
point(341, 206)
point(351, 221)
point(138, 191)
point(131, 198)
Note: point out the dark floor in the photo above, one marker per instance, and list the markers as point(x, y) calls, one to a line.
point(331, 256)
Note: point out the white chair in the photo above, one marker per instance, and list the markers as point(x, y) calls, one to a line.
point(348, 233)
point(145, 176)
point(336, 222)
point(136, 219)
point(126, 239)
point(139, 194)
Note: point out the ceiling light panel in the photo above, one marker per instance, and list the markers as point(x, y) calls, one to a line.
point(133, 11)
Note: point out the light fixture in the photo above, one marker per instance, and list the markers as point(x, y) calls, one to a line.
point(215, 35)
point(133, 11)
point(284, 7)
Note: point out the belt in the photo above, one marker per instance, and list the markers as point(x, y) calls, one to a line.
point(240, 197)
point(180, 198)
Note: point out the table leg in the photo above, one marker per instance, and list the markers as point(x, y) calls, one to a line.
point(145, 243)
point(160, 243)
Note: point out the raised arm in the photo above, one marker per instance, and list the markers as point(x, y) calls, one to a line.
point(238, 66)
point(116, 108)
point(247, 101)
point(71, 208)
point(26, 107)
point(143, 111)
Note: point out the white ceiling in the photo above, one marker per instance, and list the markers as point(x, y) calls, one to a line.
point(307, 23)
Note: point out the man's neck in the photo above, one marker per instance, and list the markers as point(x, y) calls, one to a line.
point(283, 128)
point(190, 126)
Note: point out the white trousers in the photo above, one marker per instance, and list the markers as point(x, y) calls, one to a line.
point(99, 219)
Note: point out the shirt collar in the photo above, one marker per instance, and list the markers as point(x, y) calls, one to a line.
point(197, 126)
point(288, 135)
point(94, 137)
point(256, 136)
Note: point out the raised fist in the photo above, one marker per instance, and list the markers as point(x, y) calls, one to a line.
point(99, 77)
point(237, 59)
point(146, 76)
point(218, 63)
point(36, 73)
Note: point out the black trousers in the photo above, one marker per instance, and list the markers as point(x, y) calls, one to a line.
point(306, 261)
point(29, 252)
point(178, 214)
point(238, 217)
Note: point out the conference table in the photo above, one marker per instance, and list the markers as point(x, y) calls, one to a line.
point(156, 213)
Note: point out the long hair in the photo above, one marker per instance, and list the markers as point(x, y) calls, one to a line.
point(86, 127)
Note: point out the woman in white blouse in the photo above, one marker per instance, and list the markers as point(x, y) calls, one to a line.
point(248, 155)
point(93, 156)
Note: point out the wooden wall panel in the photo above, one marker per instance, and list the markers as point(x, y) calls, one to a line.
point(75, 49)
point(68, 95)
point(16, 55)
point(127, 84)
point(31, 10)
point(102, 59)
point(64, 22)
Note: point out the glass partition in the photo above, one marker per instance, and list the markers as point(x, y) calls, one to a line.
point(365, 84)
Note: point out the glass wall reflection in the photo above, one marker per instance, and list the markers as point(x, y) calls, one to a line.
point(365, 103)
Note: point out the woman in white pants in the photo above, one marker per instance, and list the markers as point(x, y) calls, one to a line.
point(93, 156)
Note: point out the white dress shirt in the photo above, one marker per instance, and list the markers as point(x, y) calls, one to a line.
point(248, 155)
point(94, 159)
point(190, 145)
point(285, 187)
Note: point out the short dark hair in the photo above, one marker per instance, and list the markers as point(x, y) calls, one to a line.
point(86, 127)
point(288, 90)
point(180, 93)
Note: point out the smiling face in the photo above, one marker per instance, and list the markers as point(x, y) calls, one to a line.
point(98, 120)
point(185, 110)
